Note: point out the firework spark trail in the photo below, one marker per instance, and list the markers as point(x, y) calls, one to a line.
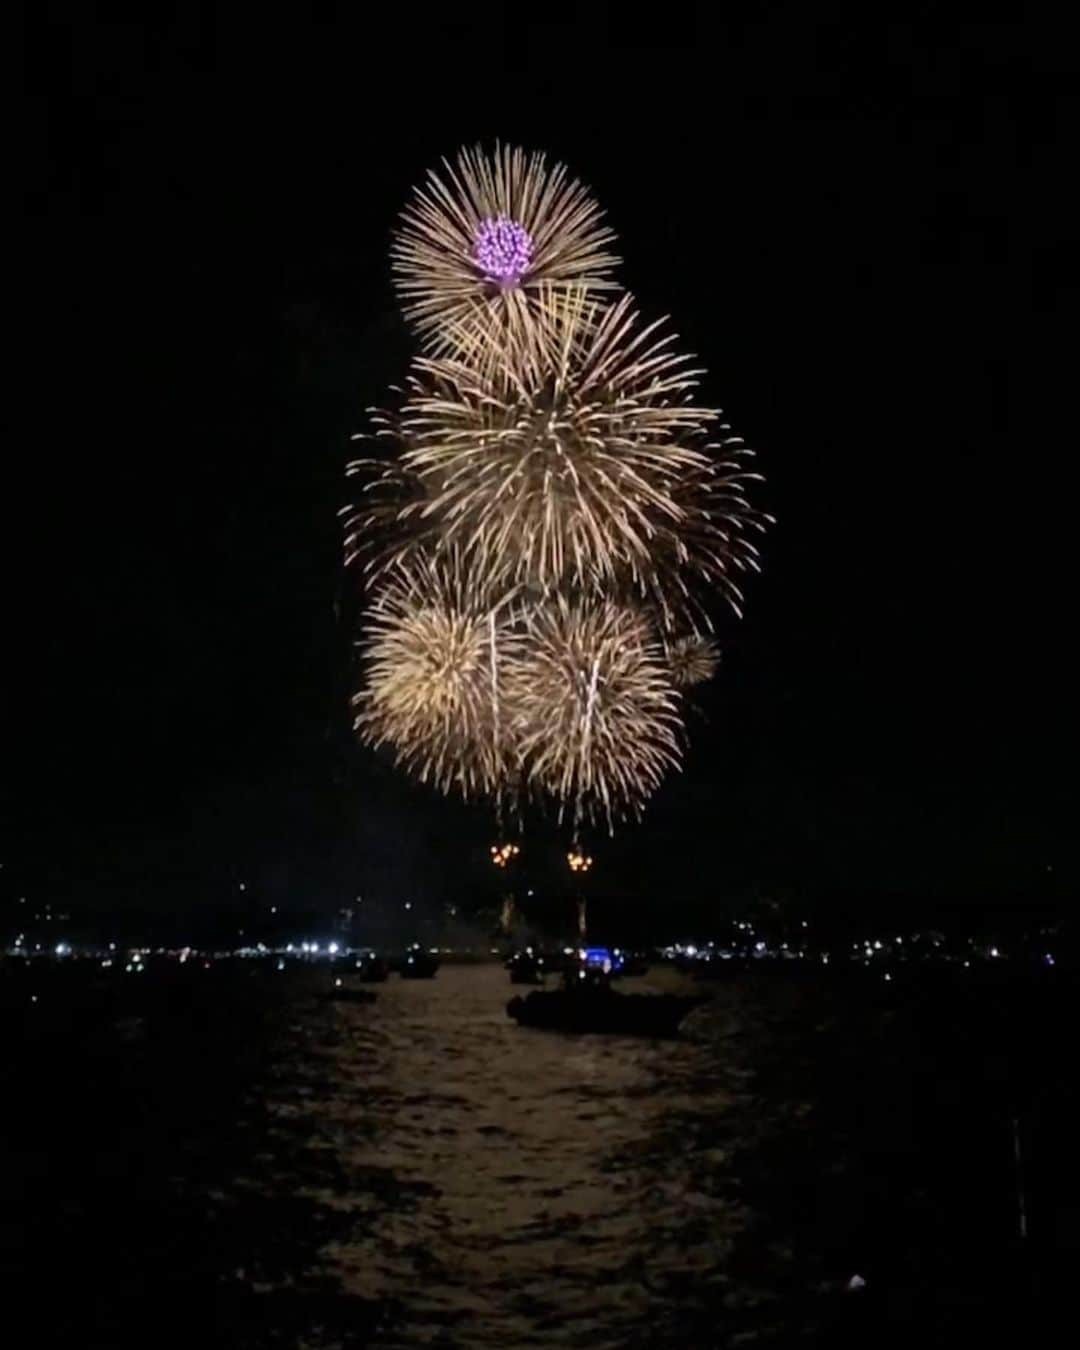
point(492, 652)
point(590, 704)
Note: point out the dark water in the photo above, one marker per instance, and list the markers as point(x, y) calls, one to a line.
point(234, 1163)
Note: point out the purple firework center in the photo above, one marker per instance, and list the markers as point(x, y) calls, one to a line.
point(502, 250)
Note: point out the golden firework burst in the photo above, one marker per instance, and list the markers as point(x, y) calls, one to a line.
point(548, 512)
point(481, 238)
point(434, 649)
point(567, 452)
point(597, 716)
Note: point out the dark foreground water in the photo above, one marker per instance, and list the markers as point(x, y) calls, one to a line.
point(229, 1162)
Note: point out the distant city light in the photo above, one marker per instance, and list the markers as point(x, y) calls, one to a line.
point(970, 952)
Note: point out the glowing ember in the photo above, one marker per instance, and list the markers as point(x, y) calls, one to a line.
point(503, 250)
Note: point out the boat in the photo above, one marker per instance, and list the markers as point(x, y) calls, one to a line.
point(603, 1010)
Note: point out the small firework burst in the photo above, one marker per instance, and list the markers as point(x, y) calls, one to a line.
point(568, 453)
point(598, 721)
point(431, 690)
point(693, 659)
point(479, 241)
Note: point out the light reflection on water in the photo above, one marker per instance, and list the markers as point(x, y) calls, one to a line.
point(276, 1171)
point(546, 1203)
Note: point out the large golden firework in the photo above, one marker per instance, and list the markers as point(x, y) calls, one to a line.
point(598, 721)
point(434, 649)
point(480, 241)
point(567, 452)
point(551, 511)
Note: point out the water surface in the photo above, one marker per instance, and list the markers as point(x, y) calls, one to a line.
point(236, 1163)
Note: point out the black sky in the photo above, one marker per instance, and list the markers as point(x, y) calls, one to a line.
point(847, 224)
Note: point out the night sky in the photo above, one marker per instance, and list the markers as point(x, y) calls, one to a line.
point(846, 224)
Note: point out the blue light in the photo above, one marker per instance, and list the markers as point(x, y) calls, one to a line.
point(597, 958)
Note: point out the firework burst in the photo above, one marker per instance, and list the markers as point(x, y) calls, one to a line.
point(597, 717)
point(550, 512)
point(479, 241)
point(692, 659)
point(434, 648)
point(568, 453)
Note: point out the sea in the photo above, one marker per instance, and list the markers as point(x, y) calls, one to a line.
point(229, 1160)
